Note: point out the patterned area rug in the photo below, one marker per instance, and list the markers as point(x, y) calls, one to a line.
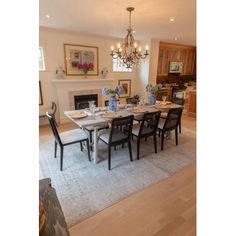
point(84, 188)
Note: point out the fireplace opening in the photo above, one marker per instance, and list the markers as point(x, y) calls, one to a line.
point(82, 101)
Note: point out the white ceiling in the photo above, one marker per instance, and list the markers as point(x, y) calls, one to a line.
point(150, 19)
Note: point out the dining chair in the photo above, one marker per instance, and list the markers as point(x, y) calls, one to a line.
point(178, 98)
point(160, 93)
point(170, 123)
point(53, 110)
point(107, 102)
point(147, 128)
point(67, 138)
point(115, 136)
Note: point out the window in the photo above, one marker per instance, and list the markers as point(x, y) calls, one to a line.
point(119, 67)
point(41, 60)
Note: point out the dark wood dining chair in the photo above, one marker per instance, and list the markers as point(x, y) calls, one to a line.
point(147, 128)
point(107, 102)
point(67, 138)
point(178, 98)
point(115, 136)
point(170, 123)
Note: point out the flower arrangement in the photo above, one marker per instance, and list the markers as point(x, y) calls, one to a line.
point(118, 90)
point(151, 89)
point(85, 67)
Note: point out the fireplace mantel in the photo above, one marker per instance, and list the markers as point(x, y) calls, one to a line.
point(61, 81)
point(67, 87)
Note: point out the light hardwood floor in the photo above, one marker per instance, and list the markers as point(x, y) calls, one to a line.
point(165, 208)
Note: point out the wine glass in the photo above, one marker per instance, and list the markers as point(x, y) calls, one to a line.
point(164, 98)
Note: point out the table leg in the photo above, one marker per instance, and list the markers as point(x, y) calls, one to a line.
point(95, 146)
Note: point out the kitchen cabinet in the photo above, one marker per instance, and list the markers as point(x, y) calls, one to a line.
point(179, 53)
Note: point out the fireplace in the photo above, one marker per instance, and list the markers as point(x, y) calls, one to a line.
point(82, 101)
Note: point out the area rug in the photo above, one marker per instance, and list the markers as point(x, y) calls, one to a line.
point(84, 188)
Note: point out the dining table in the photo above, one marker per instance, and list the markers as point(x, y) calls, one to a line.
point(102, 116)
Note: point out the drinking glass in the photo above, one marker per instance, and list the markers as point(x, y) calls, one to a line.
point(164, 98)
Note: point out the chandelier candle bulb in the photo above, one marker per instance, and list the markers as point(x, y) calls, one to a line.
point(146, 48)
point(127, 52)
point(112, 48)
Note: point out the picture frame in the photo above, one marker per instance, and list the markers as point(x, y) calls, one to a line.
point(80, 54)
point(40, 94)
point(127, 87)
point(175, 67)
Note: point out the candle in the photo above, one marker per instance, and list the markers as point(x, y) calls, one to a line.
point(139, 49)
point(112, 48)
point(118, 45)
point(146, 47)
point(135, 45)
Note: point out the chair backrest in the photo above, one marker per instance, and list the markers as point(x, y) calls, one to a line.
point(129, 100)
point(54, 128)
point(126, 123)
point(107, 102)
point(160, 93)
point(178, 97)
point(149, 123)
point(172, 119)
point(54, 108)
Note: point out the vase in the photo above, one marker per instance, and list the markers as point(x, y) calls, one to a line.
point(85, 75)
point(113, 103)
point(152, 99)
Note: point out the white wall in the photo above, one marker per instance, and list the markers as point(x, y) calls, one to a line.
point(53, 41)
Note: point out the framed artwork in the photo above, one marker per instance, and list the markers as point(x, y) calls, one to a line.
point(127, 87)
point(175, 67)
point(40, 94)
point(80, 56)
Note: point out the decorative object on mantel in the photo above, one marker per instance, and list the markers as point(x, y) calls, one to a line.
point(85, 68)
point(104, 72)
point(127, 53)
point(60, 72)
point(126, 84)
point(152, 93)
point(113, 92)
point(76, 55)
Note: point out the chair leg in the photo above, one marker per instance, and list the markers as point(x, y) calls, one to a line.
point(159, 133)
point(176, 136)
point(138, 144)
point(155, 143)
point(180, 126)
point(114, 147)
point(55, 150)
point(162, 140)
point(130, 151)
point(81, 146)
point(123, 145)
point(88, 148)
point(61, 164)
point(91, 140)
point(109, 158)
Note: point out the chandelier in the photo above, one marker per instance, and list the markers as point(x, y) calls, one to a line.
point(129, 53)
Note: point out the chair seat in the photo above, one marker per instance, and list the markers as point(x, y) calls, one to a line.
point(136, 128)
point(73, 136)
point(117, 135)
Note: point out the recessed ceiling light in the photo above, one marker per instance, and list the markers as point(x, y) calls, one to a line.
point(48, 16)
point(172, 19)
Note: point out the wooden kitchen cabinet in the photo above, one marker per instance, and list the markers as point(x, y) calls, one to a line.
point(179, 53)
